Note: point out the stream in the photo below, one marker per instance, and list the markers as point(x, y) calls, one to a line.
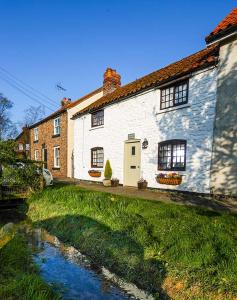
point(71, 273)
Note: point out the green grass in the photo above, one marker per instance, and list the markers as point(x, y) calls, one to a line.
point(143, 241)
point(19, 278)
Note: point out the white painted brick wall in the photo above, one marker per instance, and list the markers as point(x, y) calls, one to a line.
point(141, 115)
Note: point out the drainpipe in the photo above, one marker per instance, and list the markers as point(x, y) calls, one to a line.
point(83, 140)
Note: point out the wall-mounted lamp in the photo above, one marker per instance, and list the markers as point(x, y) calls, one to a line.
point(145, 144)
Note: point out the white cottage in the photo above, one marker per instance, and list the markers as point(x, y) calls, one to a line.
point(162, 122)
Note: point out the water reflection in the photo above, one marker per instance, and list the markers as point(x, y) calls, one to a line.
point(70, 272)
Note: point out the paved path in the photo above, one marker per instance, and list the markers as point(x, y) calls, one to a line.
point(224, 204)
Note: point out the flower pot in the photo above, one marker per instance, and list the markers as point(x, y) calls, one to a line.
point(94, 173)
point(114, 182)
point(107, 182)
point(142, 185)
point(169, 181)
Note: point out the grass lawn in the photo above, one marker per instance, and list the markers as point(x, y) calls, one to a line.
point(183, 252)
point(19, 278)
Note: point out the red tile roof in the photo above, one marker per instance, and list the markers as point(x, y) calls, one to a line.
point(199, 60)
point(225, 26)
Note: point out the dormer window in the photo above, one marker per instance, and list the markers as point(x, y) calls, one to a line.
point(174, 95)
point(36, 134)
point(97, 118)
point(57, 126)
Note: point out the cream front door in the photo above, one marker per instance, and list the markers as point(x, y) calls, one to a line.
point(132, 161)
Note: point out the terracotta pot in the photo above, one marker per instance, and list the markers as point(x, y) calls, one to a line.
point(142, 185)
point(107, 182)
point(114, 183)
point(169, 181)
point(94, 173)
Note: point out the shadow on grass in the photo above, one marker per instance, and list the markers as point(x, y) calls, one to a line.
point(113, 249)
point(205, 201)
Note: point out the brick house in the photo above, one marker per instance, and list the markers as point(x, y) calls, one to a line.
point(23, 143)
point(51, 139)
point(48, 139)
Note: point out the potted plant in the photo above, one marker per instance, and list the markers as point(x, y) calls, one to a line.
point(107, 174)
point(169, 178)
point(114, 182)
point(142, 184)
point(94, 173)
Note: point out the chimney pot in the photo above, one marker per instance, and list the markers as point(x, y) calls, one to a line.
point(65, 101)
point(112, 80)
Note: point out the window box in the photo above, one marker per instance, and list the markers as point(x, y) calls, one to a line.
point(56, 168)
point(169, 181)
point(55, 135)
point(169, 178)
point(94, 173)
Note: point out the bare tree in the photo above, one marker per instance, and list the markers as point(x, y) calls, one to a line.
point(32, 115)
point(7, 127)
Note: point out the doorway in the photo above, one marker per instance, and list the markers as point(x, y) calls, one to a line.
point(45, 157)
point(132, 162)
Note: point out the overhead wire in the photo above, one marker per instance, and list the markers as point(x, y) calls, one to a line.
point(28, 86)
point(20, 89)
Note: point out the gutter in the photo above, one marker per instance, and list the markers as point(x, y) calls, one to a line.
point(159, 85)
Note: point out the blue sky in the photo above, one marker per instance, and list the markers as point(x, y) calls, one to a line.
point(73, 42)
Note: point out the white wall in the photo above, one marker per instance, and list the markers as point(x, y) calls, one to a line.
point(70, 132)
point(224, 163)
point(141, 115)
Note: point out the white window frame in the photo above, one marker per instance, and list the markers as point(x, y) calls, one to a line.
point(36, 134)
point(20, 147)
point(36, 154)
point(56, 158)
point(57, 126)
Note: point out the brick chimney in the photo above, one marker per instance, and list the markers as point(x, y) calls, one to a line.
point(66, 101)
point(112, 80)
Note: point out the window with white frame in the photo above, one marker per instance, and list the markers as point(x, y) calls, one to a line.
point(20, 147)
point(36, 154)
point(57, 157)
point(36, 134)
point(57, 126)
